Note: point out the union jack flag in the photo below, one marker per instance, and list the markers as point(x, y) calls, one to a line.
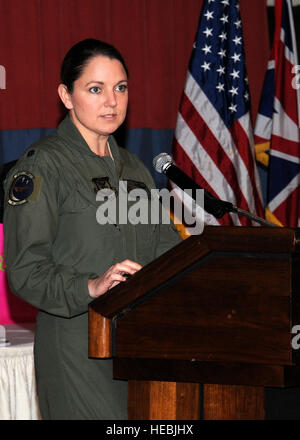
point(213, 140)
point(277, 124)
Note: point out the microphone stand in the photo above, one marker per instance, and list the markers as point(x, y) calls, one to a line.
point(163, 164)
point(253, 217)
point(218, 208)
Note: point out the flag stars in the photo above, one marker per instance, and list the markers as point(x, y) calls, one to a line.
point(237, 40)
point(235, 74)
point(205, 66)
point(222, 53)
point(224, 19)
point(209, 15)
point(208, 32)
point(236, 57)
point(206, 49)
point(220, 87)
point(233, 91)
point(220, 59)
point(223, 36)
point(221, 70)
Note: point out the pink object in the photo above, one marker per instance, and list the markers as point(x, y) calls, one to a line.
point(12, 309)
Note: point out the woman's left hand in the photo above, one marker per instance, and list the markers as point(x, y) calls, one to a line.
point(113, 276)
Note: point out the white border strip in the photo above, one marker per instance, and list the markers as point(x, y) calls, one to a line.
point(285, 156)
point(284, 194)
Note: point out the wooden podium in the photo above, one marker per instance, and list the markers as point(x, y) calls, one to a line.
point(200, 331)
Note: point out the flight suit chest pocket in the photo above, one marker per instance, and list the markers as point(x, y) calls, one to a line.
point(138, 202)
point(78, 200)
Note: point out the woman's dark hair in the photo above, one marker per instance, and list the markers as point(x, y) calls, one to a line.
point(80, 54)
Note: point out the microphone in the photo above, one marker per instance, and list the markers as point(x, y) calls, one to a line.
point(163, 164)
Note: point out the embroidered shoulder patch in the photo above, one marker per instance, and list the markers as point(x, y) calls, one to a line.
point(25, 186)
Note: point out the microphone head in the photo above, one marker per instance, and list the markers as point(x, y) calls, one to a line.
point(160, 161)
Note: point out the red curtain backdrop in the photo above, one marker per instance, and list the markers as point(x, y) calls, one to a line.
point(154, 36)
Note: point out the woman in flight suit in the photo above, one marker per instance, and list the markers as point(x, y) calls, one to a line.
point(58, 256)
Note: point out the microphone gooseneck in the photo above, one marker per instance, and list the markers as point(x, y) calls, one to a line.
point(163, 163)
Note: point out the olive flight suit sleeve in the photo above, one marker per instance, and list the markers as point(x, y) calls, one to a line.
point(31, 214)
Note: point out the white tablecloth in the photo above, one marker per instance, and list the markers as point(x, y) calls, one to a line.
point(18, 400)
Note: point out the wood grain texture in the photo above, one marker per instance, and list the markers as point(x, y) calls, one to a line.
point(163, 400)
point(100, 336)
point(226, 402)
point(228, 309)
point(206, 372)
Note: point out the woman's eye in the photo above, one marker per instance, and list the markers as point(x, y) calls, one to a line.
point(122, 87)
point(95, 89)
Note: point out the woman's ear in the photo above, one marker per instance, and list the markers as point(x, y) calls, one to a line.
point(65, 96)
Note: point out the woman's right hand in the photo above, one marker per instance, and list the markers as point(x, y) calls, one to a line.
point(113, 276)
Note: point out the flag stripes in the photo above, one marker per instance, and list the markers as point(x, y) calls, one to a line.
point(213, 138)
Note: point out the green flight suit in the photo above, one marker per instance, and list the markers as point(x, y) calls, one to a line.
point(53, 246)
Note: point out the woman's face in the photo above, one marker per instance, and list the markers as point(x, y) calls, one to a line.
point(98, 103)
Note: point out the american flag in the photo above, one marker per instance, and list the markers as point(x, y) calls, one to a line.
point(213, 140)
point(277, 125)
